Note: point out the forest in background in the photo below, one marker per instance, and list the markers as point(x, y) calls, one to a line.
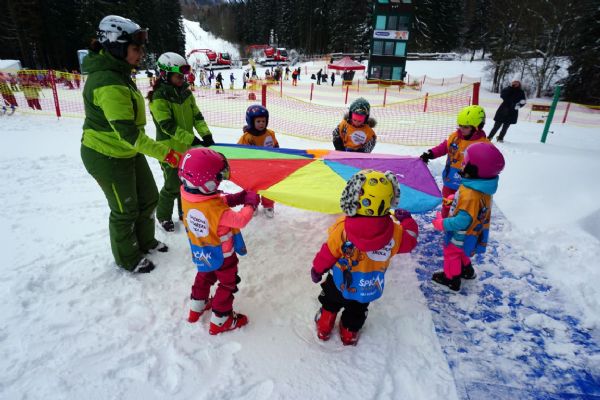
point(533, 38)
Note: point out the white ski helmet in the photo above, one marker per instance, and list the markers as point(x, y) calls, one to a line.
point(115, 33)
point(172, 62)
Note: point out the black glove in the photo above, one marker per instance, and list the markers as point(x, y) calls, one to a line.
point(196, 142)
point(207, 140)
point(425, 157)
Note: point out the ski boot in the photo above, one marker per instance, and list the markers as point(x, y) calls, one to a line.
point(167, 225)
point(349, 338)
point(143, 266)
point(325, 321)
point(468, 272)
point(226, 322)
point(452, 284)
point(269, 212)
point(197, 308)
point(160, 247)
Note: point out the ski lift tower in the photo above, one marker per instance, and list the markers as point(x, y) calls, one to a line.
point(391, 28)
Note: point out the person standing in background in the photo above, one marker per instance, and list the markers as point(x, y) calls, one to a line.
point(513, 98)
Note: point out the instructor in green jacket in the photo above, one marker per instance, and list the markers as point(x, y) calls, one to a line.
point(175, 115)
point(114, 142)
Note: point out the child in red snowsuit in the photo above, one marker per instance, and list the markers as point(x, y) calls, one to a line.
point(214, 235)
point(470, 122)
point(358, 252)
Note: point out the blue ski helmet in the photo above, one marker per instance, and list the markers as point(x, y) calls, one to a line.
point(254, 111)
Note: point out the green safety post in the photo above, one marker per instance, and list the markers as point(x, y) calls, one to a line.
point(551, 113)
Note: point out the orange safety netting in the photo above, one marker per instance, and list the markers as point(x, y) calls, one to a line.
point(404, 116)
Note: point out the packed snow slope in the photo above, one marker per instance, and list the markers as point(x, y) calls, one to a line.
point(198, 38)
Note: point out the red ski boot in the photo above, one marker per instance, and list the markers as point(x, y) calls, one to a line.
point(197, 308)
point(226, 323)
point(325, 321)
point(349, 338)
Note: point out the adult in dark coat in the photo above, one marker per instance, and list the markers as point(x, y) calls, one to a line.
point(513, 98)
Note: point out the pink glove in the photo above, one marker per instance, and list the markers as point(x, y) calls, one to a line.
point(235, 199)
point(438, 222)
point(401, 214)
point(251, 199)
point(315, 276)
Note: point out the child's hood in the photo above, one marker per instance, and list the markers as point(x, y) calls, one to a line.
point(253, 131)
point(369, 233)
point(198, 198)
point(487, 186)
point(372, 122)
point(478, 134)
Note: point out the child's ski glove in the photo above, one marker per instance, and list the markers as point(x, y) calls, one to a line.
point(425, 157)
point(401, 214)
point(172, 158)
point(235, 199)
point(315, 276)
point(438, 222)
point(251, 199)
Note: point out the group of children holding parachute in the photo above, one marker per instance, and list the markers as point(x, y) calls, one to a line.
point(360, 243)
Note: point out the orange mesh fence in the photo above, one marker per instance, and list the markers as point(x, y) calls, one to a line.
point(404, 116)
point(421, 121)
point(40, 91)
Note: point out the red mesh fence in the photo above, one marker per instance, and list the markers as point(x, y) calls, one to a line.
point(404, 115)
point(411, 122)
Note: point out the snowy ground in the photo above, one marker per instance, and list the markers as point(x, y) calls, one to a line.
point(75, 326)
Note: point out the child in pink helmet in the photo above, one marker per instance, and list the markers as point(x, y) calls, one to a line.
point(467, 227)
point(213, 230)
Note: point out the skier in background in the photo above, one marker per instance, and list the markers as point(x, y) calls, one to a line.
point(513, 98)
point(191, 78)
point(219, 84)
point(7, 94)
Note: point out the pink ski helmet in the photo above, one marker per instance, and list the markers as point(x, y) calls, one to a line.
point(483, 160)
point(203, 169)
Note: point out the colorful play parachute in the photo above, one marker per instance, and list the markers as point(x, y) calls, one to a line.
point(314, 179)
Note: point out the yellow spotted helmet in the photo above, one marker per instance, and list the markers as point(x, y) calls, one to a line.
point(370, 193)
point(471, 116)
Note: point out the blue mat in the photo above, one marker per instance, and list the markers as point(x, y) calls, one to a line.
point(506, 334)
